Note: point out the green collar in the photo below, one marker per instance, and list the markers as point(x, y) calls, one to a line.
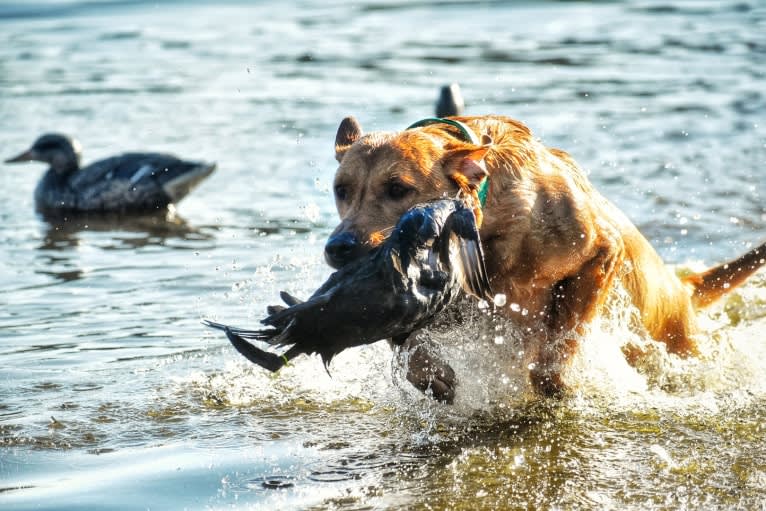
point(468, 135)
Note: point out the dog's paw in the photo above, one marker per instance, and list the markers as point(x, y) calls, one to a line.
point(548, 383)
point(429, 374)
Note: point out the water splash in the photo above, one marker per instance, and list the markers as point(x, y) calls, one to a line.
point(493, 376)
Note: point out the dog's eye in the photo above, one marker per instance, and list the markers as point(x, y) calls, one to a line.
point(397, 191)
point(341, 192)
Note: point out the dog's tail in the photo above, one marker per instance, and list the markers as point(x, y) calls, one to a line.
point(710, 285)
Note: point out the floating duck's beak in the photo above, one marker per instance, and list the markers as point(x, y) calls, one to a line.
point(27, 155)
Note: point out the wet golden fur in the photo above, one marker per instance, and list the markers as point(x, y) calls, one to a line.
point(553, 244)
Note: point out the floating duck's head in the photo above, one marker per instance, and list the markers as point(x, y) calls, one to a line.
point(61, 152)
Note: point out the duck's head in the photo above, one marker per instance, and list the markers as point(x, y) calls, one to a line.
point(61, 152)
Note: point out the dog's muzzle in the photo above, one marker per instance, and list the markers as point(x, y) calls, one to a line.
point(341, 249)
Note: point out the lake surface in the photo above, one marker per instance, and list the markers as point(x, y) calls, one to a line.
point(113, 396)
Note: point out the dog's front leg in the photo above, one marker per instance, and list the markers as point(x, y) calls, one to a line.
point(574, 302)
point(427, 371)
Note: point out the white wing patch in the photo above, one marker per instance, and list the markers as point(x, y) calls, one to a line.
point(140, 173)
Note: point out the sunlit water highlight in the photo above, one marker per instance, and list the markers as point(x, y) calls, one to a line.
point(113, 396)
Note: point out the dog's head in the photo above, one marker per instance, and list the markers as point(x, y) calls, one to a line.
point(382, 175)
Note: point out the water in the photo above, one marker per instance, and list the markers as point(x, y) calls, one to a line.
point(113, 396)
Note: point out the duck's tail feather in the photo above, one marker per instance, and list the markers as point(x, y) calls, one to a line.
point(265, 334)
point(265, 359)
point(181, 177)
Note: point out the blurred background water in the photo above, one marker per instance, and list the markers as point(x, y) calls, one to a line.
point(112, 396)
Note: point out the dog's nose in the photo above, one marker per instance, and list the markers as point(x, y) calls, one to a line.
point(341, 249)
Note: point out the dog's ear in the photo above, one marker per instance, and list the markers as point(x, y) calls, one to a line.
point(465, 165)
point(349, 132)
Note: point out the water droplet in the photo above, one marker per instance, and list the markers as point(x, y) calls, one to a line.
point(274, 482)
point(515, 307)
point(499, 339)
point(312, 212)
point(499, 299)
point(662, 454)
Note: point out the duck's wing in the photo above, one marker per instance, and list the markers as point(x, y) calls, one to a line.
point(358, 269)
point(461, 249)
point(125, 167)
point(144, 174)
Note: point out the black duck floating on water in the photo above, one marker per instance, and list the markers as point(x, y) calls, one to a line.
point(432, 253)
point(128, 183)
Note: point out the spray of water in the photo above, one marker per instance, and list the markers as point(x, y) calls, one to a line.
point(492, 368)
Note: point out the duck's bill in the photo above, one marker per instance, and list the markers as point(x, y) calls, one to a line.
point(27, 155)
